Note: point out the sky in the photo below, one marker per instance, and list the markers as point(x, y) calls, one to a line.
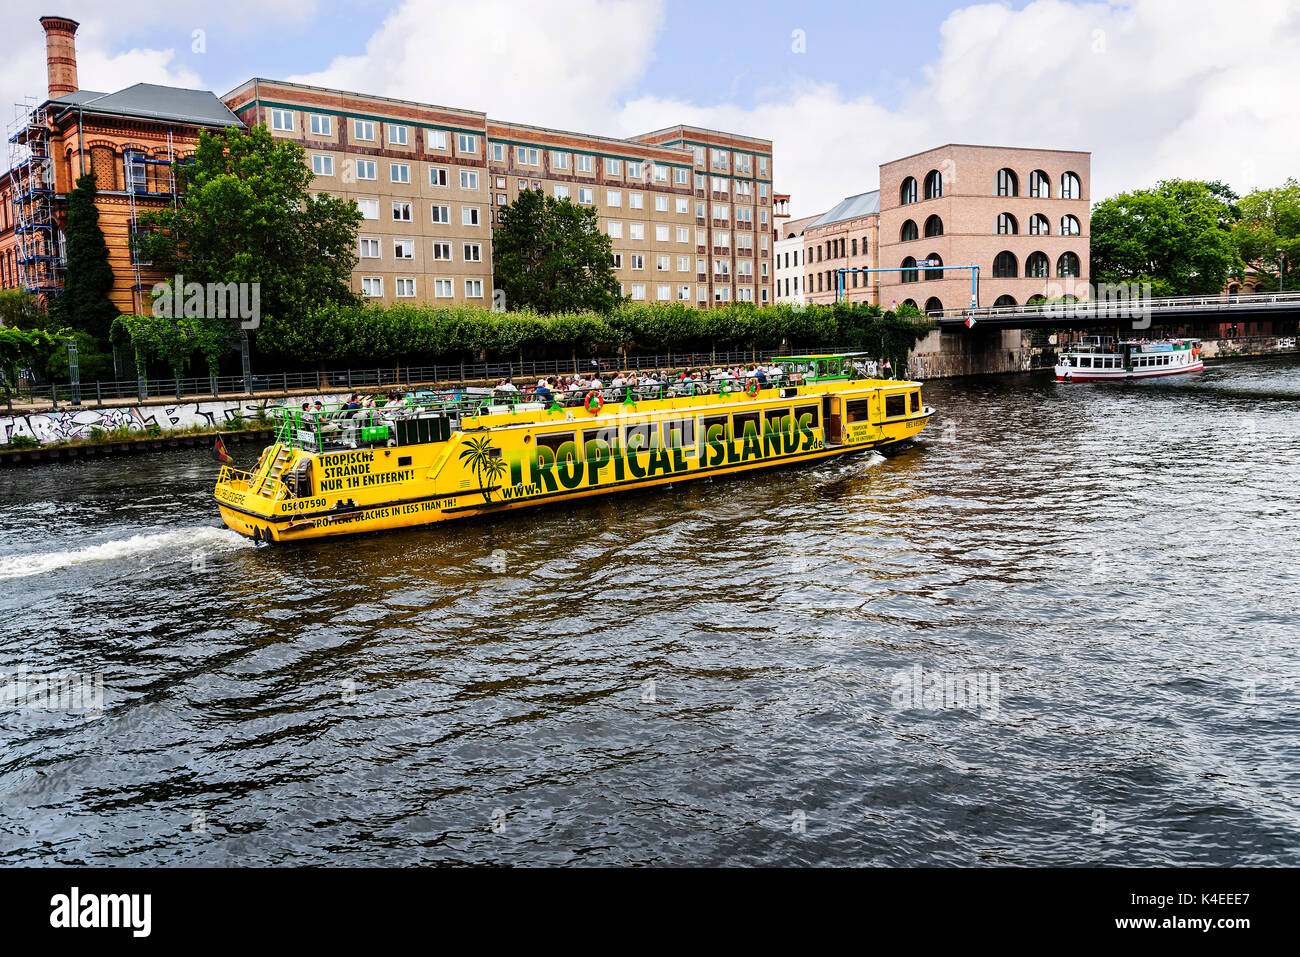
point(1153, 88)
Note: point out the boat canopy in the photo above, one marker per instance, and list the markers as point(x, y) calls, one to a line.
point(823, 368)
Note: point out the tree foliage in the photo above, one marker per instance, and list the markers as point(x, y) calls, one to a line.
point(1178, 236)
point(22, 350)
point(84, 302)
point(551, 256)
point(1270, 230)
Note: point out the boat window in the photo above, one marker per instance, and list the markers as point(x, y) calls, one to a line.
point(606, 435)
point(641, 437)
point(859, 410)
point(742, 421)
point(710, 421)
point(895, 404)
point(916, 401)
point(806, 410)
point(680, 434)
point(554, 440)
point(772, 419)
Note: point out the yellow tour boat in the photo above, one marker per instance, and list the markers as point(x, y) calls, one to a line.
point(462, 453)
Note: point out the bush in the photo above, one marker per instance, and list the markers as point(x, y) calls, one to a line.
point(23, 442)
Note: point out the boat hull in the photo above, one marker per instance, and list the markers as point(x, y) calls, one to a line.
point(1071, 374)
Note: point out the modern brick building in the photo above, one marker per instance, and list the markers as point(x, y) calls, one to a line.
point(689, 210)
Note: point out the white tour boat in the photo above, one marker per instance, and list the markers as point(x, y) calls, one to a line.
point(1098, 358)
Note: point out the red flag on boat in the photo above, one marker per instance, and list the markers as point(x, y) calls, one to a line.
point(219, 452)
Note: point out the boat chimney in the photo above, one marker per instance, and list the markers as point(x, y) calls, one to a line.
point(61, 55)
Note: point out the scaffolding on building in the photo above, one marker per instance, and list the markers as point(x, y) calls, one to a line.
point(41, 261)
point(154, 178)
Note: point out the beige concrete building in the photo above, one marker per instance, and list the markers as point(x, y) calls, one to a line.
point(789, 265)
point(1021, 215)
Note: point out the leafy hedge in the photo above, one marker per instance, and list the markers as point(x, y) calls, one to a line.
point(342, 333)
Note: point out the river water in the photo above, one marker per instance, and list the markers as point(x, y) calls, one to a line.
point(1061, 629)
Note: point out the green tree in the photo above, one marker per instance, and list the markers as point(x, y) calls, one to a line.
point(551, 256)
point(1269, 231)
point(84, 302)
point(248, 216)
point(1178, 236)
point(22, 350)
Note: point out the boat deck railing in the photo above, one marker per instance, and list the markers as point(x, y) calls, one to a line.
point(250, 482)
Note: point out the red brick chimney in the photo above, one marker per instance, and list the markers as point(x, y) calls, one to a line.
point(61, 54)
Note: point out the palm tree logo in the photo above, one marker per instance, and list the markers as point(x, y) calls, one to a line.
point(478, 456)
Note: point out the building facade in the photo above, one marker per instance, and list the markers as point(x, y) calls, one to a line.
point(845, 237)
point(1021, 215)
point(789, 259)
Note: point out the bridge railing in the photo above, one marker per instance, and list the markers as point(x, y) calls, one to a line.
point(1120, 306)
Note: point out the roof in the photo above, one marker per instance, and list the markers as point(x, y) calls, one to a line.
point(154, 102)
point(851, 207)
point(796, 226)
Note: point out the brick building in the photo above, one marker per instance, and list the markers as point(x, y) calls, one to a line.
point(844, 237)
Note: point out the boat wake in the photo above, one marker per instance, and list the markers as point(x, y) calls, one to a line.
point(190, 540)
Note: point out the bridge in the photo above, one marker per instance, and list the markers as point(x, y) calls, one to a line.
point(1137, 314)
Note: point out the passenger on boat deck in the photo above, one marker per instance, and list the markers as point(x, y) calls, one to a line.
point(354, 402)
point(369, 403)
point(542, 392)
point(505, 385)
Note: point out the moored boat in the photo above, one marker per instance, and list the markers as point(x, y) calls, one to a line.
point(436, 457)
point(1101, 358)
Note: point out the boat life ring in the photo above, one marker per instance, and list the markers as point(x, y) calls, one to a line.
point(595, 401)
point(751, 388)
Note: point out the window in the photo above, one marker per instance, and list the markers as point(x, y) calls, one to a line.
point(405, 288)
point(1038, 225)
point(586, 195)
point(683, 205)
point(933, 184)
point(561, 191)
point(906, 234)
point(613, 197)
point(683, 263)
point(1069, 226)
point(1005, 265)
point(322, 165)
point(473, 288)
point(399, 172)
point(615, 229)
point(363, 130)
point(907, 192)
point(664, 292)
point(895, 405)
point(662, 263)
point(528, 156)
point(369, 208)
point(1037, 266)
point(370, 249)
point(398, 136)
point(402, 212)
point(498, 153)
point(443, 288)
point(1040, 187)
point(1007, 183)
point(681, 176)
point(403, 249)
point(282, 119)
point(372, 286)
point(637, 261)
point(617, 259)
point(467, 143)
point(437, 176)
point(719, 159)
point(322, 125)
point(439, 214)
point(1067, 265)
point(1070, 188)
point(661, 234)
point(442, 252)
point(638, 230)
point(909, 267)
point(721, 211)
point(437, 139)
point(613, 167)
point(468, 179)
point(762, 166)
point(367, 169)
point(683, 234)
point(935, 270)
point(1004, 302)
point(469, 216)
point(473, 252)
point(1007, 225)
point(638, 291)
point(684, 295)
point(934, 226)
point(661, 204)
point(636, 200)
point(559, 160)
point(633, 170)
point(584, 163)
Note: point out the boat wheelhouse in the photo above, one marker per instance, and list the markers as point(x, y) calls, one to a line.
point(1101, 358)
point(460, 453)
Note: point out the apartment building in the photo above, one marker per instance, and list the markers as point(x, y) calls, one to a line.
point(846, 237)
point(1021, 215)
point(788, 258)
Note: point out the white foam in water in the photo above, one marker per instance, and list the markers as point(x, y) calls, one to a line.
point(196, 538)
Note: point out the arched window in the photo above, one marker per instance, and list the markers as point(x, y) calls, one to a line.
point(1004, 301)
point(1036, 299)
point(864, 245)
point(1007, 225)
point(1069, 226)
point(934, 226)
point(1005, 265)
point(910, 302)
point(1038, 225)
point(1067, 265)
point(908, 232)
point(907, 194)
point(933, 184)
point(909, 269)
point(935, 271)
point(1007, 183)
point(933, 305)
point(1038, 266)
point(1039, 185)
point(1070, 188)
